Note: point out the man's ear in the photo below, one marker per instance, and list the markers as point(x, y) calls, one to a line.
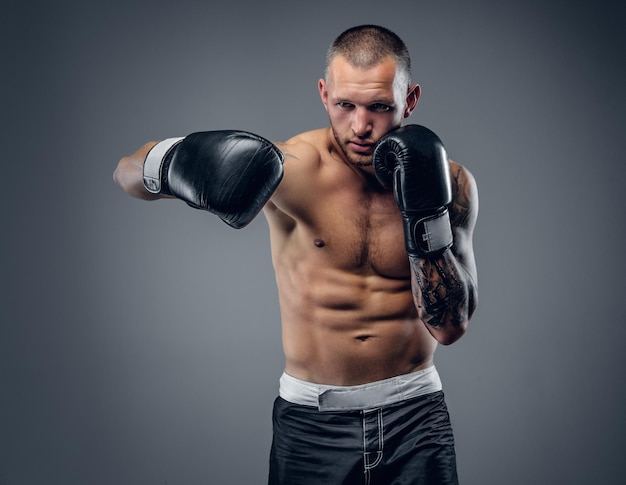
point(412, 97)
point(321, 86)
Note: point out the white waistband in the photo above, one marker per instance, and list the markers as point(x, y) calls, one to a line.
point(361, 397)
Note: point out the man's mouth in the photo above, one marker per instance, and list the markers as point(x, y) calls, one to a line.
point(361, 147)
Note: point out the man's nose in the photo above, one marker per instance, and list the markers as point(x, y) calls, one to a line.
point(361, 123)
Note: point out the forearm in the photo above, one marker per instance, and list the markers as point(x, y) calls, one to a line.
point(128, 174)
point(445, 295)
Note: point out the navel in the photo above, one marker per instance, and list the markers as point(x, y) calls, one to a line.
point(319, 243)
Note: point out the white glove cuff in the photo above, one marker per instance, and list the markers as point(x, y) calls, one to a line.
point(153, 165)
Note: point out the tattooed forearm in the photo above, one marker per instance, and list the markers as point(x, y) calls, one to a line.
point(441, 294)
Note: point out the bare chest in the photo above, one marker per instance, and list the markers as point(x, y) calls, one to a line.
point(358, 232)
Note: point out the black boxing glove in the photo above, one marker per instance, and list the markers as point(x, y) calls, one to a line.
point(229, 173)
point(412, 162)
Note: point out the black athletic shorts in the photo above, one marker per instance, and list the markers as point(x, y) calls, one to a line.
point(406, 443)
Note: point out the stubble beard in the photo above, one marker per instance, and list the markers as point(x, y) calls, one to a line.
point(360, 161)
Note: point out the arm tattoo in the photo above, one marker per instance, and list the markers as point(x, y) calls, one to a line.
point(440, 294)
point(432, 296)
point(459, 208)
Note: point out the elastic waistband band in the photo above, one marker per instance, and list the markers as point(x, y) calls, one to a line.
point(362, 397)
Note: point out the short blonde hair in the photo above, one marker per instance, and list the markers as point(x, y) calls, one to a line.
point(365, 46)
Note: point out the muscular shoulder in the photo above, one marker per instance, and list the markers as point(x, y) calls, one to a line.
point(303, 155)
point(303, 151)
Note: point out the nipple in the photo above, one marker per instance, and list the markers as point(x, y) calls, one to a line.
point(319, 243)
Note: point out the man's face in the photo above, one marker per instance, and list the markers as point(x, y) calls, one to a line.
point(364, 105)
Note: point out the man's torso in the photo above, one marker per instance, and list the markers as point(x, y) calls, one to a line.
point(343, 274)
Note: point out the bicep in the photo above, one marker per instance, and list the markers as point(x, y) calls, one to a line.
point(463, 215)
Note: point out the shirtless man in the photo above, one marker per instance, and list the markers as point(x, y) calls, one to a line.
point(371, 235)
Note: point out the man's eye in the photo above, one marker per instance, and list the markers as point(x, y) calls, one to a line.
point(344, 105)
point(380, 107)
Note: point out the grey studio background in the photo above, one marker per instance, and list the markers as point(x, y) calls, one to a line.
point(140, 342)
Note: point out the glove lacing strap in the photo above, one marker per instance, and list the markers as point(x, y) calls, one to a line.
point(430, 235)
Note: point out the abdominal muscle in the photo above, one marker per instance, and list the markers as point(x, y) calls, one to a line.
point(348, 328)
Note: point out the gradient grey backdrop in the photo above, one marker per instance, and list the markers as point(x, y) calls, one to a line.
point(140, 341)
